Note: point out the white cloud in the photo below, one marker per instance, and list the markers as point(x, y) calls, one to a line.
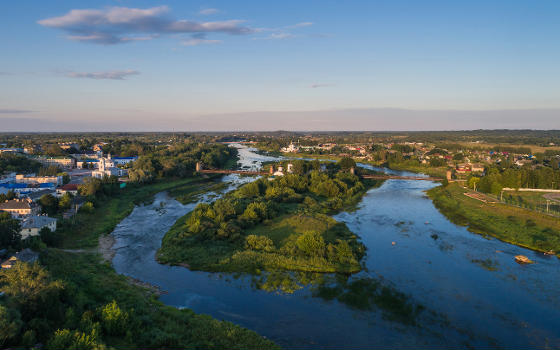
point(300, 25)
point(114, 25)
point(112, 75)
point(208, 11)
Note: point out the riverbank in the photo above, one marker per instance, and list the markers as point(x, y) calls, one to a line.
point(84, 229)
point(510, 224)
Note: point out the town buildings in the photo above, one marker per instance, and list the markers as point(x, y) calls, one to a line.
point(20, 207)
point(32, 179)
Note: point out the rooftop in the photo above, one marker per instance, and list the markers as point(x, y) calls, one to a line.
point(37, 221)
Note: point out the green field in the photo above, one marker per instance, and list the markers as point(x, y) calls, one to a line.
point(508, 223)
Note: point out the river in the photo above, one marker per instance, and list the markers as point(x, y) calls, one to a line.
point(473, 291)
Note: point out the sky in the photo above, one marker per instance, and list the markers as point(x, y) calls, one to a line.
point(270, 65)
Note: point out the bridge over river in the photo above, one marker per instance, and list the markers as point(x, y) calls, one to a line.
point(199, 169)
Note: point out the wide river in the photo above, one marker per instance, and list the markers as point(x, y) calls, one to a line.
point(473, 291)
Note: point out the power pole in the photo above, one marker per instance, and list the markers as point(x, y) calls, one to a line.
point(547, 203)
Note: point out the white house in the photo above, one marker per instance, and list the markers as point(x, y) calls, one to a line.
point(32, 225)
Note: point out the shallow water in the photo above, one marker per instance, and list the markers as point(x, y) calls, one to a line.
point(471, 282)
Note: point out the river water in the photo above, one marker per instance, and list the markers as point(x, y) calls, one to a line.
point(473, 291)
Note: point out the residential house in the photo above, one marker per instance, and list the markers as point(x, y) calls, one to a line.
point(32, 225)
point(26, 255)
point(477, 168)
point(68, 188)
point(20, 207)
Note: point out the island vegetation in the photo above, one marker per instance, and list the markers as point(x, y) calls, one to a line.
point(277, 224)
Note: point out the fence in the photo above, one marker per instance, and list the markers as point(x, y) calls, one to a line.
point(541, 205)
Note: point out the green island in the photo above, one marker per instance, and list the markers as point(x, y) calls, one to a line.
point(279, 224)
point(508, 223)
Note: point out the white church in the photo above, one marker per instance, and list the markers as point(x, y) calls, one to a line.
point(107, 168)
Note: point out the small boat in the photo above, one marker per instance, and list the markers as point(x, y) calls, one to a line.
point(550, 252)
point(522, 259)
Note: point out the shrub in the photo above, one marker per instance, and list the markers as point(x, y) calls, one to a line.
point(114, 319)
point(255, 242)
point(311, 244)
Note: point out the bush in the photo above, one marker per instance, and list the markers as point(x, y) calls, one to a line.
point(115, 320)
point(311, 244)
point(74, 340)
point(87, 208)
point(263, 243)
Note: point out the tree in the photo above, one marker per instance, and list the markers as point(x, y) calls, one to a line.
point(90, 186)
point(30, 286)
point(54, 150)
point(263, 243)
point(9, 231)
point(65, 177)
point(49, 237)
point(49, 204)
point(347, 163)
point(10, 324)
point(51, 170)
point(8, 196)
point(65, 202)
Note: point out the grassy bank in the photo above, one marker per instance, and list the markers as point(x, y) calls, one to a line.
point(90, 285)
point(510, 224)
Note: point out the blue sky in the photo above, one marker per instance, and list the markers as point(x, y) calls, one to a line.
point(162, 65)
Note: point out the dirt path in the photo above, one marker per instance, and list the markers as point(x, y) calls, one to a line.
point(552, 196)
point(105, 247)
